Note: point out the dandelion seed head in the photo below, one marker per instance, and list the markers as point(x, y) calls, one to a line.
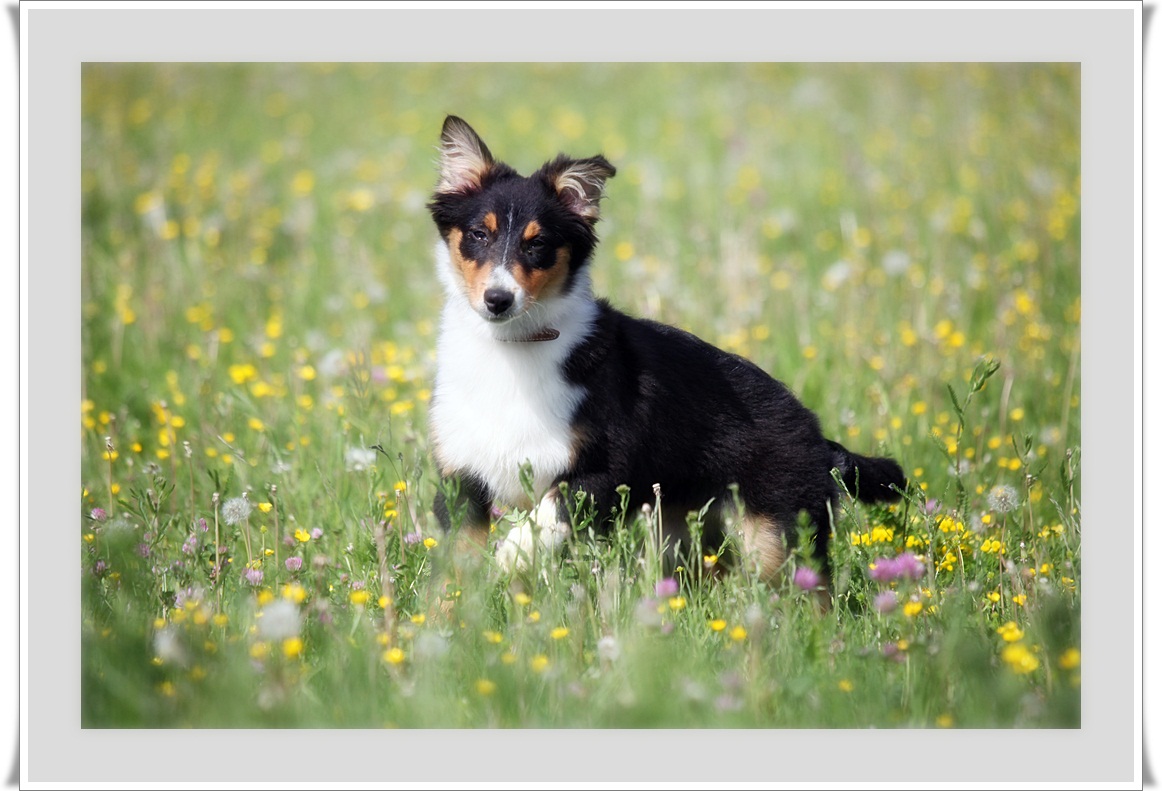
point(236, 510)
point(1003, 499)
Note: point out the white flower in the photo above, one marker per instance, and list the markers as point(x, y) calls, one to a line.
point(168, 647)
point(359, 459)
point(280, 621)
point(608, 648)
point(895, 262)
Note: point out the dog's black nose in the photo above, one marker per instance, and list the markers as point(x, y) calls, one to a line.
point(498, 300)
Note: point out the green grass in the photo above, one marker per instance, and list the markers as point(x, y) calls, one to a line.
point(260, 308)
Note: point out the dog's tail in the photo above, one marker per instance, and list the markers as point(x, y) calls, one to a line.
point(871, 480)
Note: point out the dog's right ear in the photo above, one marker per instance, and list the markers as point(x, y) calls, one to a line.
point(464, 159)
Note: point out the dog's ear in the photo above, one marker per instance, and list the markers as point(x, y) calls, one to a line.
point(579, 183)
point(464, 159)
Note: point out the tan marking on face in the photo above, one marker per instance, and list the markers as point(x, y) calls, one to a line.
point(544, 283)
point(490, 221)
point(474, 273)
point(531, 230)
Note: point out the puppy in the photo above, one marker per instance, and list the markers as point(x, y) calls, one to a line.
point(533, 370)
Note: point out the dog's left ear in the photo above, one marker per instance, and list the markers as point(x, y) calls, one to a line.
point(579, 183)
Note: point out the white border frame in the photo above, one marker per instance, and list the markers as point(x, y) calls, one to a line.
point(24, 445)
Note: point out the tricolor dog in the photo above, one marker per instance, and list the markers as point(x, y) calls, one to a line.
point(533, 369)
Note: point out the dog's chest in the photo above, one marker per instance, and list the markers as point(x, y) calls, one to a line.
point(497, 405)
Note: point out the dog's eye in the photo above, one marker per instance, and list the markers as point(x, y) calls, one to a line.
point(534, 244)
point(478, 235)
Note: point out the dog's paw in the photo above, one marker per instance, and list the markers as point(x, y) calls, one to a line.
point(515, 552)
point(542, 530)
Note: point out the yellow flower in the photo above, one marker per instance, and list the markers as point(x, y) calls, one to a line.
point(394, 656)
point(913, 608)
point(418, 618)
point(302, 535)
point(523, 599)
point(243, 373)
point(485, 687)
point(292, 647)
point(265, 507)
point(360, 597)
point(677, 602)
point(845, 685)
point(1020, 658)
point(559, 632)
point(539, 663)
point(383, 602)
point(294, 592)
point(709, 560)
point(944, 721)
point(1070, 659)
point(738, 633)
point(717, 625)
point(430, 542)
point(493, 637)
point(1010, 632)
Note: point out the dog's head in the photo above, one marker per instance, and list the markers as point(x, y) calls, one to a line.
point(513, 242)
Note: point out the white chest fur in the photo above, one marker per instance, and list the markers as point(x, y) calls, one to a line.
point(498, 404)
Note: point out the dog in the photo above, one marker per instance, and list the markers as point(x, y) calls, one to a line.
point(532, 370)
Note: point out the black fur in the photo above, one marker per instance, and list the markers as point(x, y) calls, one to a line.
point(666, 407)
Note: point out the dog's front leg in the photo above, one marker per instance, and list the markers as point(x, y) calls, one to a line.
point(544, 531)
point(474, 499)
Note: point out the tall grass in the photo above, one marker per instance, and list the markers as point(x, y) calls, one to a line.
point(899, 244)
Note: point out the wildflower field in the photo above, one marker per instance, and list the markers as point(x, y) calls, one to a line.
point(899, 244)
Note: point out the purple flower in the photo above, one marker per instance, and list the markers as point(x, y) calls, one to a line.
point(253, 576)
point(930, 506)
point(143, 550)
point(316, 533)
point(906, 566)
point(910, 566)
point(98, 515)
point(806, 578)
point(294, 563)
point(190, 545)
point(885, 602)
point(99, 567)
point(202, 525)
point(412, 538)
point(666, 588)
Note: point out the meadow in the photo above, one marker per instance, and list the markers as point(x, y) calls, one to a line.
point(899, 244)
